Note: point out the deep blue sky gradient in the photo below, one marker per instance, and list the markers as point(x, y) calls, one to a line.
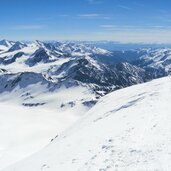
point(118, 20)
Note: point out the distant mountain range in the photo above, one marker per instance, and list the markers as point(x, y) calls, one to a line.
point(57, 64)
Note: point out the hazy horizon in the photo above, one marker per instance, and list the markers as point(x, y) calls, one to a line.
point(123, 21)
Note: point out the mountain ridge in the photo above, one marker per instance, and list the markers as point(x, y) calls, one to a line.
point(66, 80)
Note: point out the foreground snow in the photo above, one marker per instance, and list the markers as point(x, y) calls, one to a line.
point(24, 131)
point(26, 126)
point(126, 130)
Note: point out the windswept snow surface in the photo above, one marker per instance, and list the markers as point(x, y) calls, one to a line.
point(127, 130)
point(26, 130)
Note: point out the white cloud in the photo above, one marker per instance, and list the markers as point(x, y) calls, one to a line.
point(134, 28)
point(28, 27)
point(137, 36)
point(95, 1)
point(89, 15)
point(108, 26)
point(123, 36)
point(124, 7)
point(95, 16)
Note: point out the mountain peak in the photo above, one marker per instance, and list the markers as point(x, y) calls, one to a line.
point(38, 43)
point(6, 43)
point(17, 46)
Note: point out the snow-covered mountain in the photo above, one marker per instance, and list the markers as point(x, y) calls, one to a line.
point(69, 64)
point(61, 81)
point(17, 46)
point(114, 135)
point(51, 66)
point(155, 58)
point(5, 44)
point(104, 70)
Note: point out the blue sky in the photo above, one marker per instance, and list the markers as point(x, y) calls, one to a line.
point(146, 21)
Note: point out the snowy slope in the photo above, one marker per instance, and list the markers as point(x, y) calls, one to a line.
point(23, 131)
point(34, 110)
point(127, 130)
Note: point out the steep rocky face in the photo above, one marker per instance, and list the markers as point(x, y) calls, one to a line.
point(99, 76)
point(6, 43)
point(8, 60)
point(2, 71)
point(9, 82)
point(129, 74)
point(153, 73)
point(39, 56)
point(17, 46)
